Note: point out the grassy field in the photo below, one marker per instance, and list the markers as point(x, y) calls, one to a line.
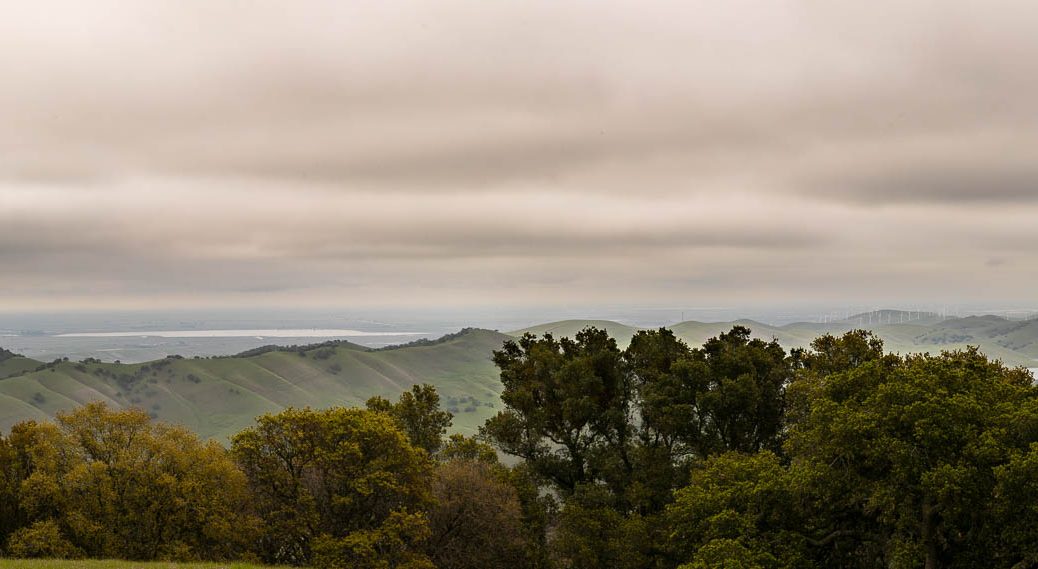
point(109, 564)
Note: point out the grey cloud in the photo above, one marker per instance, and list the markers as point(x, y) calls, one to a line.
point(450, 98)
point(119, 236)
point(946, 184)
point(167, 150)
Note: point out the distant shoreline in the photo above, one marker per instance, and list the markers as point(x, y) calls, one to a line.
point(267, 333)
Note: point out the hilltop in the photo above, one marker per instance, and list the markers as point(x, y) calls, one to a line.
point(568, 328)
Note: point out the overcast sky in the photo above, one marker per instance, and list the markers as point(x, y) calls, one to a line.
point(214, 153)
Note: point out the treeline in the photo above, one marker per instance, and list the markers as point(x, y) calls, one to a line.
point(300, 349)
point(735, 454)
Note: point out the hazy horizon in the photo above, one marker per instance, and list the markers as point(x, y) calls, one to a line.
point(135, 337)
point(447, 319)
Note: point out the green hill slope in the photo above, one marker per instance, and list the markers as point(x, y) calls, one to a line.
point(17, 365)
point(217, 397)
point(569, 328)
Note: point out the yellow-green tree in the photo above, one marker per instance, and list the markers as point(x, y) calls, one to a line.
point(337, 487)
point(114, 484)
point(11, 517)
point(739, 511)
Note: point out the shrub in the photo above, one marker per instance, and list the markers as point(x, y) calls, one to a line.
point(42, 539)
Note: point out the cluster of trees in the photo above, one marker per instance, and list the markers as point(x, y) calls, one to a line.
point(376, 487)
point(735, 454)
point(739, 455)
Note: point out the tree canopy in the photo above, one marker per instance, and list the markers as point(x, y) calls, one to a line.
point(337, 487)
point(104, 483)
point(748, 456)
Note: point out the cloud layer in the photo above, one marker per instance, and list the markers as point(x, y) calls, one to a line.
point(161, 153)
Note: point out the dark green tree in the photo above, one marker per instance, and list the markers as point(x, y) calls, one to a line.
point(728, 395)
point(744, 400)
point(568, 406)
point(1015, 509)
point(903, 456)
point(831, 354)
point(615, 432)
point(419, 415)
point(592, 533)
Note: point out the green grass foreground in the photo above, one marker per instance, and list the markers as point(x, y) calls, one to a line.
point(113, 564)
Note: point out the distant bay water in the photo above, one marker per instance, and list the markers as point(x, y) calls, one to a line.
point(136, 345)
point(299, 333)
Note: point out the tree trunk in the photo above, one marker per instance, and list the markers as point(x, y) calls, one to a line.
point(928, 535)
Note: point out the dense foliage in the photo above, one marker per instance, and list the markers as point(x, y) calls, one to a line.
point(340, 487)
point(104, 483)
point(737, 454)
point(734, 454)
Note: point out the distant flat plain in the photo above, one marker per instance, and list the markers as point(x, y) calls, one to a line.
point(143, 346)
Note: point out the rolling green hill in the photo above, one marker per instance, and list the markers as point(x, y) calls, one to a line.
point(17, 365)
point(217, 397)
point(569, 328)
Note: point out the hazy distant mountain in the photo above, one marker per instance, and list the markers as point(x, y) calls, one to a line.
point(1015, 342)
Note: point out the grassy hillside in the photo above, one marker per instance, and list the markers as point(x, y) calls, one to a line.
point(107, 564)
point(217, 397)
point(569, 328)
point(17, 365)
